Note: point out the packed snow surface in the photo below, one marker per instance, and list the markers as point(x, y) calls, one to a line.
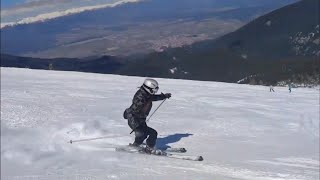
point(242, 131)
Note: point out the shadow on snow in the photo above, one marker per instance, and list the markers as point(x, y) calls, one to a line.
point(162, 142)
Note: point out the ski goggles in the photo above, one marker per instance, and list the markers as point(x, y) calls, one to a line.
point(152, 90)
point(155, 90)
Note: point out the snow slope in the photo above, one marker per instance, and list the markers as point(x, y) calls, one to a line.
point(242, 131)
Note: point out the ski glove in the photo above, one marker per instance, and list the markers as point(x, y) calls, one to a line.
point(167, 95)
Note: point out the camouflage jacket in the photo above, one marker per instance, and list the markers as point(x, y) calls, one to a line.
point(142, 103)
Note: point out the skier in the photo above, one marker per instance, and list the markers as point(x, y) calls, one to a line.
point(271, 88)
point(289, 86)
point(139, 110)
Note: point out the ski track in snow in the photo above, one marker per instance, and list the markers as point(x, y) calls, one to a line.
point(242, 131)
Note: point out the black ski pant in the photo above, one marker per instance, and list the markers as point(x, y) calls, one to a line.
point(142, 132)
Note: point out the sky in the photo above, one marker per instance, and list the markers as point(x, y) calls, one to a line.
point(10, 3)
point(27, 11)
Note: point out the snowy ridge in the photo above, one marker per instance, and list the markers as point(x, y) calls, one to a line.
point(243, 132)
point(247, 78)
point(57, 14)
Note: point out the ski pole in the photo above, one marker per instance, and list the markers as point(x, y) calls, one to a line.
point(150, 115)
point(91, 139)
point(156, 110)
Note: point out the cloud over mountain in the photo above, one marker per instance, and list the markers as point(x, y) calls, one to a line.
point(31, 6)
point(36, 11)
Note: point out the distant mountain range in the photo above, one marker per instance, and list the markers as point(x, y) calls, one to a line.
point(104, 64)
point(282, 45)
point(132, 28)
point(278, 34)
point(273, 47)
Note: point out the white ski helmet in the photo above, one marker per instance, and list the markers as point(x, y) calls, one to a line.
point(151, 86)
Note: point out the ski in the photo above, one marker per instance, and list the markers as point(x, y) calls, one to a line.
point(185, 157)
point(176, 150)
point(140, 150)
point(170, 149)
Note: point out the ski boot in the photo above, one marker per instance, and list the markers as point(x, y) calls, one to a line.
point(148, 149)
point(134, 145)
point(154, 151)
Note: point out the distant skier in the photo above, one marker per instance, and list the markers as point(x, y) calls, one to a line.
point(289, 86)
point(139, 110)
point(271, 88)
